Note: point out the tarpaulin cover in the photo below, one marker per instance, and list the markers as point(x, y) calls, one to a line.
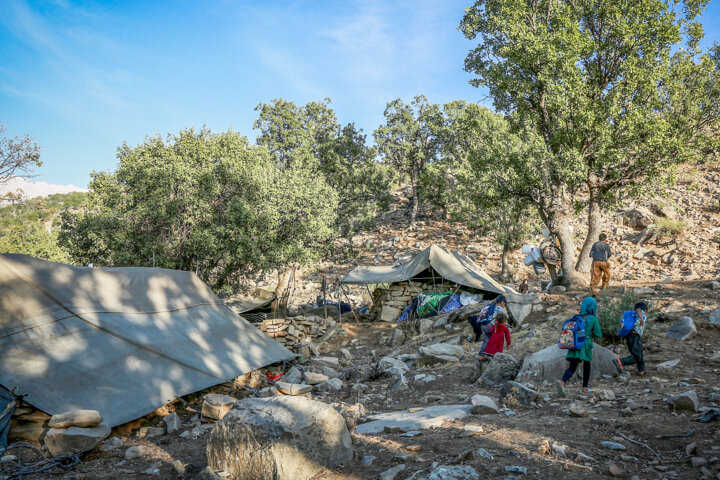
point(123, 341)
point(8, 402)
point(454, 266)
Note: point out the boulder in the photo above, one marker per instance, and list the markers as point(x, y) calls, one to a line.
point(76, 418)
point(332, 362)
point(549, 364)
point(73, 440)
point(522, 393)
point(686, 401)
point(393, 366)
point(440, 353)
point(639, 217)
point(283, 438)
point(682, 330)
point(502, 367)
point(216, 405)
point(406, 421)
point(425, 325)
point(483, 404)
point(520, 311)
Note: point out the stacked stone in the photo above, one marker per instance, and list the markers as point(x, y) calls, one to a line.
point(389, 303)
point(295, 333)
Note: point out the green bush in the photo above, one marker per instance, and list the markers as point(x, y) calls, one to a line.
point(668, 227)
point(610, 311)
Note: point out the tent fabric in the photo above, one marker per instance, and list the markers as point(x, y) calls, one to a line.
point(8, 403)
point(454, 266)
point(123, 341)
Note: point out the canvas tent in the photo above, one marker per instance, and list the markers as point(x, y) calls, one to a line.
point(454, 266)
point(123, 341)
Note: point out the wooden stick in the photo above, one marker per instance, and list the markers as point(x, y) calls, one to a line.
point(643, 445)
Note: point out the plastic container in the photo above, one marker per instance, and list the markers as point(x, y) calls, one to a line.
point(536, 254)
point(527, 249)
point(529, 260)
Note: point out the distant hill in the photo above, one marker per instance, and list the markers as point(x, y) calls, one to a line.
point(32, 189)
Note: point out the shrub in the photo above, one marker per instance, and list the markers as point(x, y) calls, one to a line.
point(668, 227)
point(610, 310)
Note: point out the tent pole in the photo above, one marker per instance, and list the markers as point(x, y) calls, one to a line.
point(352, 308)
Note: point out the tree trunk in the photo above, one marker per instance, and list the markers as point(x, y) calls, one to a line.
point(413, 206)
point(594, 226)
point(505, 272)
point(279, 304)
point(559, 225)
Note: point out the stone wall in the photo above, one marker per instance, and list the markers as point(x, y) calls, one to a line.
point(296, 333)
point(389, 303)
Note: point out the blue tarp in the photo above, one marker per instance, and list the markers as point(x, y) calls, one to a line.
point(8, 402)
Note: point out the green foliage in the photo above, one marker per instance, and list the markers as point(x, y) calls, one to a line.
point(311, 136)
point(669, 227)
point(410, 141)
point(31, 226)
point(610, 310)
point(601, 90)
point(210, 203)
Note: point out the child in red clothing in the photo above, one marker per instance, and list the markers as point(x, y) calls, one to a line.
point(498, 335)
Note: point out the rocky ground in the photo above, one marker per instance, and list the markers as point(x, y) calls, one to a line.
point(551, 436)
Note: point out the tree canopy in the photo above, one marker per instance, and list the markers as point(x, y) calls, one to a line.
point(604, 93)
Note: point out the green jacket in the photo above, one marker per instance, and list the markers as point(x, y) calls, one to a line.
point(592, 330)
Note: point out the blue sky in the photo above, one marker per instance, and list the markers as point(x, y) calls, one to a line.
point(82, 77)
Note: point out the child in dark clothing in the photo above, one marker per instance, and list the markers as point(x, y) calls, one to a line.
point(498, 335)
point(634, 340)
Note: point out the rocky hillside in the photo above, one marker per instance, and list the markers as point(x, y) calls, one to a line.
point(671, 238)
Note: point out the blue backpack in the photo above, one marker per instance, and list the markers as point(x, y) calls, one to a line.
point(627, 324)
point(572, 336)
point(484, 317)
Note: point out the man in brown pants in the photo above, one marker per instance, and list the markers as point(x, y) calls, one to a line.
point(600, 253)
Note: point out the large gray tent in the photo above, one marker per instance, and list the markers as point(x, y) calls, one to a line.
point(123, 341)
point(453, 266)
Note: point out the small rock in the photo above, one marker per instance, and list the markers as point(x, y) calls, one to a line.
point(111, 444)
point(359, 388)
point(312, 378)
point(368, 460)
point(607, 395)
point(483, 404)
point(293, 389)
point(626, 412)
point(76, 418)
point(697, 461)
point(667, 365)
point(73, 440)
point(577, 410)
point(134, 452)
point(396, 338)
point(613, 445)
point(216, 406)
point(346, 354)
point(615, 471)
point(332, 362)
point(150, 432)
point(516, 469)
point(450, 472)
point(686, 401)
point(523, 394)
point(482, 453)
point(179, 467)
point(582, 458)
point(332, 385)
point(294, 375)
point(172, 422)
point(400, 385)
point(392, 473)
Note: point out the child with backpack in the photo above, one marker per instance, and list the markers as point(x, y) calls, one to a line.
point(631, 328)
point(483, 322)
point(584, 327)
point(499, 334)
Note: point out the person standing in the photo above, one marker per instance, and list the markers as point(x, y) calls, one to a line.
point(588, 309)
point(600, 271)
point(487, 320)
point(634, 340)
point(524, 288)
point(499, 335)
